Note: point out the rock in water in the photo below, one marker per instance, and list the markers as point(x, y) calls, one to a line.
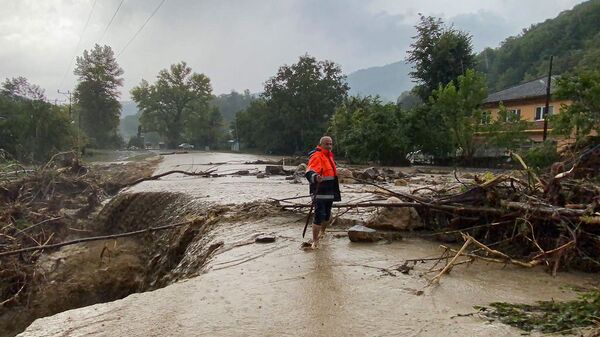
point(261, 175)
point(360, 233)
point(265, 238)
point(401, 182)
point(370, 173)
point(345, 176)
point(395, 218)
point(275, 170)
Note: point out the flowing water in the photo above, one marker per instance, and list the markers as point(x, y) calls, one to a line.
point(275, 289)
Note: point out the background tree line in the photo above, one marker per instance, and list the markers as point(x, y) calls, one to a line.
point(441, 117)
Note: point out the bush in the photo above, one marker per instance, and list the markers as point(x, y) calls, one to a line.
point(542, 156)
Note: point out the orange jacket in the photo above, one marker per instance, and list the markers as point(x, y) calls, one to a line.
point(321, 163)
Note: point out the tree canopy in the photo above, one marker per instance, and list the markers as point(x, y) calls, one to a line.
point(97, 94)
point(177, 105)
point(31, 129)
point(572, 38)
point(583, 115)
point(295, 107)
point(439, 54)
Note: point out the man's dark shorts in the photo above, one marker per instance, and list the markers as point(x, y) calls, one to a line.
point(322, 210)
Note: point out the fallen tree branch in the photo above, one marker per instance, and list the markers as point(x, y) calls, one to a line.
point(453, 208)
point(96, 238)
point(448, 267)
point(158, 176)
point(543, 209)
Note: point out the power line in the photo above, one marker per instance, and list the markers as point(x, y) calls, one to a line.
point(142, 27)
point(111, 20)
point(78, 43)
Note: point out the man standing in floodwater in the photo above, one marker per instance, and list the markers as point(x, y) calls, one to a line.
point(321, 172)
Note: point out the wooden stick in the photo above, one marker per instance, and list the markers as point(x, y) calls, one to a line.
point(436, 278)
point(454, 208)
point(543, 209)
point(158, 176)
point(96, 238)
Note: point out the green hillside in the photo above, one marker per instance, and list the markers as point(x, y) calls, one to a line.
point(573, 38)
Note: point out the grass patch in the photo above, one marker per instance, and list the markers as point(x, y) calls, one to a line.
point(548, 316)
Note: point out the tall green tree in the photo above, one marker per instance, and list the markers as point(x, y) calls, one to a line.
point(459, 106)
point(97, 95)
point(439, 54)
point(366, 130)
point(176, 105)
point(583, 115)
point(31, 129)
point(301, 98)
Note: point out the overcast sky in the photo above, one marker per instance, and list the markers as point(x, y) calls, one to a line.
point(238, 44)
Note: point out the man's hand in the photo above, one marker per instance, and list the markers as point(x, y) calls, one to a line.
point(318, 178)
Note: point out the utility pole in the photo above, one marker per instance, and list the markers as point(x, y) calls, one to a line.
point(68, 95)
point(547, 100)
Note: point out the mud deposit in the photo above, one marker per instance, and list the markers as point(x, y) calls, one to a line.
point(210, 277)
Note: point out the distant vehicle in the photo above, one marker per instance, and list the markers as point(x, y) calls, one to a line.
point(186, 146)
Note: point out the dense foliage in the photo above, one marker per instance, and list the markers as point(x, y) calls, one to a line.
point(573, 38)
point(32, 130)
point(97, 94)
point(583, 115)
point(366, 130)
point(177, 106)
point(295, 107)
point(439, 55)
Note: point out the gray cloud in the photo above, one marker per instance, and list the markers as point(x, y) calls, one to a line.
point(238, 44)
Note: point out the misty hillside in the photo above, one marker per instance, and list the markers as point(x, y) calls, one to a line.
point(387, 81)
point(128, 108)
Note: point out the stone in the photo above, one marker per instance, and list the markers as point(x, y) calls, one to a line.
point(265, 238)
point(369, 173)
point(261, 175)
point(243, 172)
point(275, 170)
point(395, 218)
point(400, 182)
point(345, 176)
point(290, 177)
point(360, 233)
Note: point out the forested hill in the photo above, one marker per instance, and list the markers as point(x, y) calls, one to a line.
point(573, 37)
point(387, 81)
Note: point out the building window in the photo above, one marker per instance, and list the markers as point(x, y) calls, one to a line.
point(486, 117)
point(540, 111)
point(513, 115)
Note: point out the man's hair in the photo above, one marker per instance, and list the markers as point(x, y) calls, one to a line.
point(323, 138)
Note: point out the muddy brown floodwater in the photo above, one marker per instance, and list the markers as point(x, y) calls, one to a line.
point(276, 289)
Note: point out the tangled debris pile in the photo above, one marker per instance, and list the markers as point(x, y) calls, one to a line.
point(524, 219)
point(46, 205)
